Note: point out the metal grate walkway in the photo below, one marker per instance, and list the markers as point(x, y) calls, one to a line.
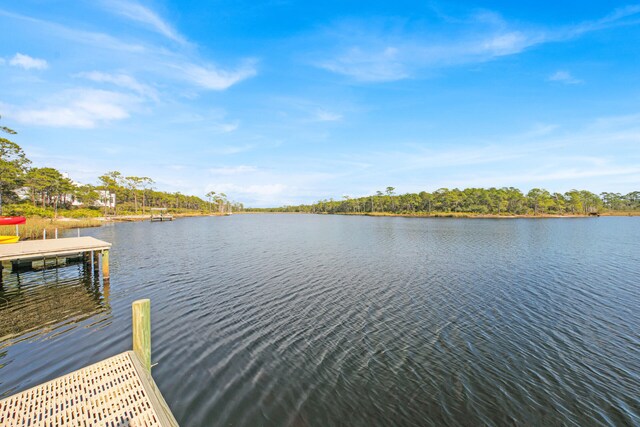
point(116, 392)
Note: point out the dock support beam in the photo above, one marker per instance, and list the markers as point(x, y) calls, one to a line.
point(141, 315)
point(96, 261)
point(105, 265)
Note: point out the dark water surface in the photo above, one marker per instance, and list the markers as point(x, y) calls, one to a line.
point(329, 320)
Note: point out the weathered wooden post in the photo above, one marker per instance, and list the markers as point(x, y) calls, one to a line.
point(96, 261)
point(141, 315)
point(105, 264)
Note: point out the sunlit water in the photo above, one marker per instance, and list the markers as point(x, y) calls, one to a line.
point(331, 320)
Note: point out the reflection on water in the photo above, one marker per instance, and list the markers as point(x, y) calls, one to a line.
point(41, 312)
point(40, 302)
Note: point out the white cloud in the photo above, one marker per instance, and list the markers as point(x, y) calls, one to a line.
point(210, 77)
point(564, 77)
point(79, 108)
point(121, 80)
point(139, 13)
point(28, 63)
point(232, 170)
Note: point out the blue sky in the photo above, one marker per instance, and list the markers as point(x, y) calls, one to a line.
point(284, 102)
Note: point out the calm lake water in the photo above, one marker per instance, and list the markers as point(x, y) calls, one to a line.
point(296, 320)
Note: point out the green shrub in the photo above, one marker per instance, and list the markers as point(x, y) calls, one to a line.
point(80, 213)
point(28, 210)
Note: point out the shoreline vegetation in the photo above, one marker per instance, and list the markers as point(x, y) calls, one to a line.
point(35, 226)
point(443, 214)
point(502, 202)
point(51, 200)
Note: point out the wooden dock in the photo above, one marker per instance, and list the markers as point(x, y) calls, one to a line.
point(30, 250)
point(160, 214)
point(118, 391)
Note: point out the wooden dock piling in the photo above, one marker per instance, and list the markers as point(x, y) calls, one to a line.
point(141, 317)
point(96, 261)
point(105, 264)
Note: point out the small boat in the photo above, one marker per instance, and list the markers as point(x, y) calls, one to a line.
point(12, 220)
point(9, 239)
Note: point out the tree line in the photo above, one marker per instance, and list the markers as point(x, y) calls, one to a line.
point(488, 201)
point(115, 193)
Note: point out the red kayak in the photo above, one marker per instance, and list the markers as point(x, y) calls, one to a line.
point(12, 220)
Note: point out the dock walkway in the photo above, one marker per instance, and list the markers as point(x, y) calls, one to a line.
point(116, 392)
point(28, 250)
point(51, 248)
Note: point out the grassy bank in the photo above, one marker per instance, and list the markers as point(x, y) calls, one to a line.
point(477, 215)
point(621, 213)
point(449, 214)
point(135, 218)
point(35, 227)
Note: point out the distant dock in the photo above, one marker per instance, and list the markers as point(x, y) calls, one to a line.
point(24, 253)
point(160, 214)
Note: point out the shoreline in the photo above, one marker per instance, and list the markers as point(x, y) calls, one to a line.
point(467, 215)
point(147, 217)
point(36, 226)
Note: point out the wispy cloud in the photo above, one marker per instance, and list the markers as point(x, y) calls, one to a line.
point(145, 16)
point(232, 170)
point(227, 127)
point(78, 108)
point(226, 150)
point(28, 63)
point(376, 65)
point(390, 52)
point(618, 17)
point(564, 77)
point(121, 80)
point(161, 62)
point(545, 156)
point(257, 192)
point(91, 38)
point(213, 78)
point(327, 116)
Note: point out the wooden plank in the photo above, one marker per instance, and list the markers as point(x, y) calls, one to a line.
point(163, 412)
point(141, 318)
point(50, 248)
point(115, 391)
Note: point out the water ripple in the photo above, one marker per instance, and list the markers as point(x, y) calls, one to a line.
point(300, 320)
